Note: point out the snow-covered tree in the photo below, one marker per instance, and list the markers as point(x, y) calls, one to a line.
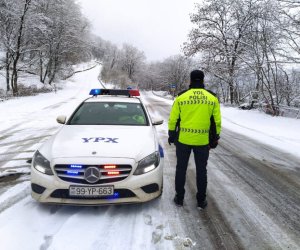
point(61, 37)
point(42, 36)
point(221, 26)
point(13, 26)
point(248, 45)
point(174, 70)
point(121, 66)
point(131, 60)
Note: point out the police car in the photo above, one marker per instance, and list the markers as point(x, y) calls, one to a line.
point(106, 152)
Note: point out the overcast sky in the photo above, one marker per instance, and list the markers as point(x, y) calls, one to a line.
point(157, 27)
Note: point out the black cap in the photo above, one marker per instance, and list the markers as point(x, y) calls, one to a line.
point(197, 77)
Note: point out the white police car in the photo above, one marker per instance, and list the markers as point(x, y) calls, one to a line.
point(107, 152)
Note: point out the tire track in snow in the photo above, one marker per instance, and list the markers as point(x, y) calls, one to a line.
point(27, 140)
point(271, 196)
point(14, 195)
point(15, 149)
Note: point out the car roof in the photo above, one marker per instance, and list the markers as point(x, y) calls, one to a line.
point(113, 99)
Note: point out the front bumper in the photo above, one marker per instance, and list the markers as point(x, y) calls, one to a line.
point(133, 189)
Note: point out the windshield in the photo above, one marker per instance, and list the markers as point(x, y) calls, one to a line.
point(109, 113)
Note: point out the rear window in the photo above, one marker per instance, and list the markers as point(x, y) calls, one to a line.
point(109, 113)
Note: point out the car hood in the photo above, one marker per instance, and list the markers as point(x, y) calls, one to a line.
point(102, 141)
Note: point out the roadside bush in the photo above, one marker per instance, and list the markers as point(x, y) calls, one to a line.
point(32, 90)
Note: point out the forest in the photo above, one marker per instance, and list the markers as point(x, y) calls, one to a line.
point(248, 49)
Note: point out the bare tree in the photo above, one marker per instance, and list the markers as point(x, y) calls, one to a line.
point(111, 71)
point(13, 19)
point(131, 60)
point(221, 26)
point(248, 45)
point(289, 24)
point(42, 37)
point(122, 66)
point(7, 26)
point(174, 71)
point(61, 39)
point(266, 54)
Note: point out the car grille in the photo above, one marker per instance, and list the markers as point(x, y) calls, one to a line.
point(75, 173)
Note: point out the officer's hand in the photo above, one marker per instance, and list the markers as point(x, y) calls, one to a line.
point(172, 135)
point(214, 143)
point(171, 140)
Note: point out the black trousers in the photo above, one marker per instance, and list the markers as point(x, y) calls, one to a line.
point(201, 154)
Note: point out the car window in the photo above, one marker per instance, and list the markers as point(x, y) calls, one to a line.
point(109, 113)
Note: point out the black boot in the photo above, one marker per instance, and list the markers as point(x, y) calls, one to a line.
point(178, 202)
point(202, 204)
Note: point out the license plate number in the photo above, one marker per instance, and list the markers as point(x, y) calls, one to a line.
point(86, 191)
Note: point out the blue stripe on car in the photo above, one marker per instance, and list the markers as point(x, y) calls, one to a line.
point(161, 151)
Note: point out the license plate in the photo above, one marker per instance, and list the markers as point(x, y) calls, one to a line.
point(88, 191)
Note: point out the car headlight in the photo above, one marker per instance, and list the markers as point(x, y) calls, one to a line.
point(41, 164)
point(147, 164)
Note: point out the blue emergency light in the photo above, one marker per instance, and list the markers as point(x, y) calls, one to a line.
point(116, 195)
point(124, 92)
point(95, 92)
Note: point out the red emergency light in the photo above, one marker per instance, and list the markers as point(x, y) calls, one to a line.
point(113, 172)
point(134, 92)
point(110, 166)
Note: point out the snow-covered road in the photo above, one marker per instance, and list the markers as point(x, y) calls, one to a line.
point(253, 191)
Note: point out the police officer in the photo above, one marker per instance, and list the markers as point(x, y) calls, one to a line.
point(194, 113)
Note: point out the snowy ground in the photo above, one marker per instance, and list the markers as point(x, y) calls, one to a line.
point(241, 212)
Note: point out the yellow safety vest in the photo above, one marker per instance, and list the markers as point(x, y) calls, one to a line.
point(194, 109)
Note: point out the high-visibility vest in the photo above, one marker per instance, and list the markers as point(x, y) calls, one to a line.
point(194, 109)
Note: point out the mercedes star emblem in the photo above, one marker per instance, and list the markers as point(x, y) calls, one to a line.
point(92, 174)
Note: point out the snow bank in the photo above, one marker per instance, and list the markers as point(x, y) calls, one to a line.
point(280, 132)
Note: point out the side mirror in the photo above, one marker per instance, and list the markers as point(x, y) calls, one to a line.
point(157, 122)
point(61, 119)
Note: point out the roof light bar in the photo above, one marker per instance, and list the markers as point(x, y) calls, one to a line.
point(126, 92)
